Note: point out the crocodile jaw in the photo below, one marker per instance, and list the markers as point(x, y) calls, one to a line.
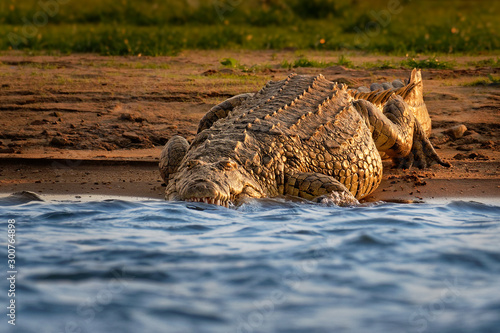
point(207, 183)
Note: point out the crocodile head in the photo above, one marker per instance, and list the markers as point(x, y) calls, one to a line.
point(223, 182)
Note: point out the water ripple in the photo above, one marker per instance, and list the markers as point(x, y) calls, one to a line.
point(266, 266)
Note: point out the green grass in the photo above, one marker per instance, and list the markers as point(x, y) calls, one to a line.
point(233, 63)
point(386, 64)
point(343, 61)
point(490, 81)
point(409, 63)
point(304, 62)
point(230, 62)
point(432, 63)
point(134, 65)
point(485, 63)
point(148, 27)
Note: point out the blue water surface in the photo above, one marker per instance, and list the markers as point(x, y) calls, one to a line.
point(267, 266)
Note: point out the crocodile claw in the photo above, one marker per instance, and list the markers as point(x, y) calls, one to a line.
point(422, 154)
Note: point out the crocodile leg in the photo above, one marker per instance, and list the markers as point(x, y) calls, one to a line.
point(171, 156)
point(320, 188)
point(221, 110)
point(398, 134)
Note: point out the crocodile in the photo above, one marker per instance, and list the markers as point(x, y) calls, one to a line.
point(303, 136)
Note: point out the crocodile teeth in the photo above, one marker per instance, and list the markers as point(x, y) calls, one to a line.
point(212, 201)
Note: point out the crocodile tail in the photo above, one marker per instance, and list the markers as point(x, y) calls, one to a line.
point(380, 97)
point(412, 93)
point(415, 99)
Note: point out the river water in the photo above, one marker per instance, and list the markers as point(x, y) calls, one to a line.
point(123, 265)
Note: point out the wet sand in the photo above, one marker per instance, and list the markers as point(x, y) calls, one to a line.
point(91, 125)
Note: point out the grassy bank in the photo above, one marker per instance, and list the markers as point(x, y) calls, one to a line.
point(149, 27)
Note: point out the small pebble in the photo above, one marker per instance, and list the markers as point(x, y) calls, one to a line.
point(456, 132)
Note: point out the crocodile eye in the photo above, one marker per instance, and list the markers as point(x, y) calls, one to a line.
point(227, 165)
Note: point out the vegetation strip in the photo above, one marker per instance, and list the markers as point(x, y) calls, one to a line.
point(132, 27)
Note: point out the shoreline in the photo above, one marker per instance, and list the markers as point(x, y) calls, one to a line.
point(140, 178)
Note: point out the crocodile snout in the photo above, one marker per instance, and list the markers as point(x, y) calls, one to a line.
point(200, 189)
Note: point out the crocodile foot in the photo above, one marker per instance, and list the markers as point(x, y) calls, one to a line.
point(319, 188)
point(422, 154)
